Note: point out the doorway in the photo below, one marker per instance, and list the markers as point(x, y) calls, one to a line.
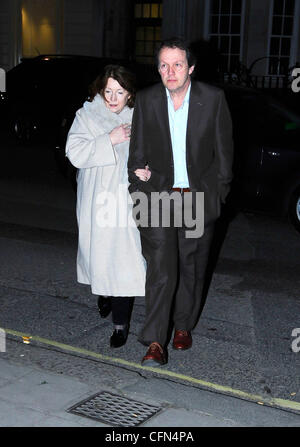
point(41, 24)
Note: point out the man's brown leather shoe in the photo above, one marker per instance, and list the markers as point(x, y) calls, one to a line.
point(155, 355)
point(182, 340)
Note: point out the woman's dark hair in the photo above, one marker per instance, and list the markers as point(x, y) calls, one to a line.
point(121, 74)
point(176, 42)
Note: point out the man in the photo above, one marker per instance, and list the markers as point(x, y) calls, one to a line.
point(181, 141)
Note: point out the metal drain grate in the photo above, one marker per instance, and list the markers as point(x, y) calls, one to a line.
point(114, 410)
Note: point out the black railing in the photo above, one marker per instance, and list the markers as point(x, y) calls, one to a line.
point(243, 75)
point(256, 81)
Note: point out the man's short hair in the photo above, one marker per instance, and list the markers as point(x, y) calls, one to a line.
point(176, 42)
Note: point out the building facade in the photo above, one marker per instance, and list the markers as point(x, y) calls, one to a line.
point(261, 35)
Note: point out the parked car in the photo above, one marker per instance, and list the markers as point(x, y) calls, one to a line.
point(41, 90)
point(267, 154)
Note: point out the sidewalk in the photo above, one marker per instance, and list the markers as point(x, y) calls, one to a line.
point(33, 396)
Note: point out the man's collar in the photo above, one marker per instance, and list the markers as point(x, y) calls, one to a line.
point(187, 95)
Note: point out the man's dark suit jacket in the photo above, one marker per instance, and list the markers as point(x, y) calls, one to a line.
point(209, 147)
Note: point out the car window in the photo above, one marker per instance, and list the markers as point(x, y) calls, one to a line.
point(282, 118)
point(21, 79)
point(248, 113)
point(259, 116)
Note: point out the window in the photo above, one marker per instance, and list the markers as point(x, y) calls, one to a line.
point(148, 19)
point(281, 119)
point(225, 31)
point(281, 36)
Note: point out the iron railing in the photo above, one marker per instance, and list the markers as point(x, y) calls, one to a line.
point(243, 75)
point(255, 81)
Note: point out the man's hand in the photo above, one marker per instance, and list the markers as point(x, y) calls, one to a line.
point(143, 174)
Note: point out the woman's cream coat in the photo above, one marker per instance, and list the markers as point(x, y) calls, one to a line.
point(109, 250)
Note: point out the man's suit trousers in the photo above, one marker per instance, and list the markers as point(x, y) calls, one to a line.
point(176, 267)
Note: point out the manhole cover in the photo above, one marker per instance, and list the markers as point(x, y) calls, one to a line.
point(114, 410)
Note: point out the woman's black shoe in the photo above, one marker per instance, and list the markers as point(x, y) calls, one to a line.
point(118, 338)
point(104, 306)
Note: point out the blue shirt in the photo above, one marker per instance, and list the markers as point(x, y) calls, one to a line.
point(178, 125)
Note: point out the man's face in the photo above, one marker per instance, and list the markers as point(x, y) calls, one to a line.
point(173, 69)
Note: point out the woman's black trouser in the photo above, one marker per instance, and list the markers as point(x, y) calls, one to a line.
point(121, 309)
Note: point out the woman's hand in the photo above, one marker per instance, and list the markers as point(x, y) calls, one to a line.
point(143, 174)
point(120, 134)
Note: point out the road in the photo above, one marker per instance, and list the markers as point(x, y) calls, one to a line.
point(242, 346)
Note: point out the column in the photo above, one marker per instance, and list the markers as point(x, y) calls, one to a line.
point(174, 18)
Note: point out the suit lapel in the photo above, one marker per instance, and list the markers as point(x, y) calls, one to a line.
point(195, 110)
point(160, 104)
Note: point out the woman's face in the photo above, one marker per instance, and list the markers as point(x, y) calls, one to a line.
point(116, 97)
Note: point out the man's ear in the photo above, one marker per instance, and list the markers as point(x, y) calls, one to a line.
point(191, 69)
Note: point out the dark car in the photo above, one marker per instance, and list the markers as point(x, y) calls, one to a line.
point(44, 92)
point(40, 91)
point(267, 154)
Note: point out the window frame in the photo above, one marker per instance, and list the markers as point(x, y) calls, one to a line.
point(207, 26)
point(293, 38)
point(147, 22)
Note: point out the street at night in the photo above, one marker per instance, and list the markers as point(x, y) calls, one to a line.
point(242, 369)
point(103, 99)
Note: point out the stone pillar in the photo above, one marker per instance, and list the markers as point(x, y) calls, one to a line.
point(77, 27)
point(98, 28)
point(256, 36)
point(118, 28)
point(196, 18)
point(10, 37)
point(173, 24)
point(197, 30)
point(83, 27)
point(295, 50)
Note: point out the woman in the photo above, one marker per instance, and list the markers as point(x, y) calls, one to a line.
point(109, 252)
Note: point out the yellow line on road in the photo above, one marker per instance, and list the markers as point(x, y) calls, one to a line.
point(272, 401)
